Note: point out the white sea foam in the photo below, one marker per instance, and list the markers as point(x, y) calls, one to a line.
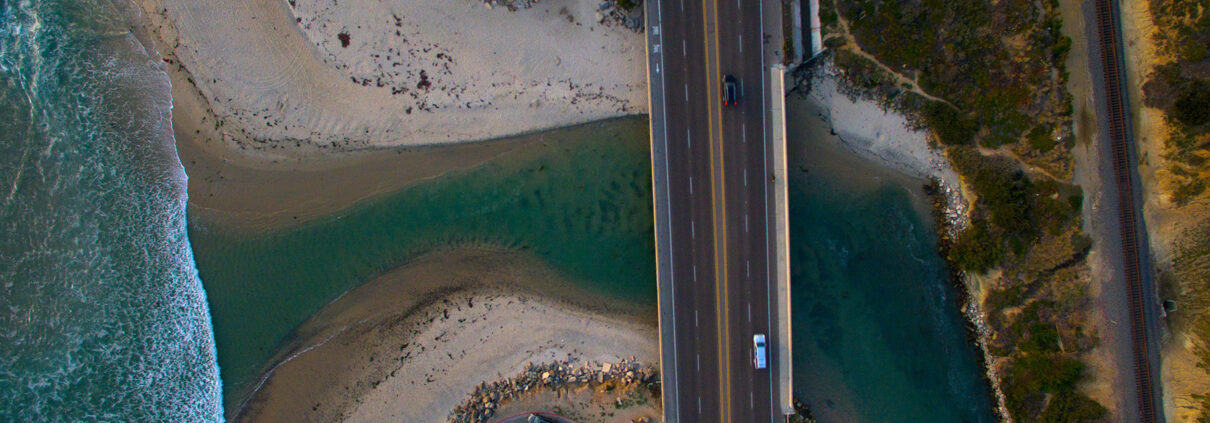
point(104, 317)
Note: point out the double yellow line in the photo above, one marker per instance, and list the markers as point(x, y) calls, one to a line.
point(717, 167)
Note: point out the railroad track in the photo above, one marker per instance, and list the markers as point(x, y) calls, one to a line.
point(1111, 68)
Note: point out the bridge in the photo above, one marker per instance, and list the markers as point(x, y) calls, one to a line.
point(719, 175)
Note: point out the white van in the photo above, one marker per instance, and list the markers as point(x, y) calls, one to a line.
point(758, 350)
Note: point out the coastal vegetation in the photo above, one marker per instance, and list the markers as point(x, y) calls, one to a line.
point(988, 80)
point(1179, 86)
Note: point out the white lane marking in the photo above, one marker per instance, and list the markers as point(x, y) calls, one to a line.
point(686, 93)
point(692, 230)
point(741, 43)
point(745, 223)
point(748, 268)
point(752, 400)
point(699, 362)
point(745, 178)
point(764, 168)
point(749, 312)
point(745, 137)
point(691, 184)
point(686, 137)
point(684, 47)
point(695, 318)
point(699, 405)
point(695, 272)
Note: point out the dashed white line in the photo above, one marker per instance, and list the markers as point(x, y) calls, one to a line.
point(686, 93)
point(745, 178)
point(741, 43)
point(745, 222)
point(747, 269)
point(695, 272)
point(692, 230)
point(695, 318)
point(749, 312)
point(691, 184)
point(699, 365)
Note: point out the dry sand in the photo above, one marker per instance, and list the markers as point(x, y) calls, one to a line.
point(275, 81)
point(413, 344)
point(882, 135)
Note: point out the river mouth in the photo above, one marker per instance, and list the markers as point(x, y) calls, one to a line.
point(873, 311)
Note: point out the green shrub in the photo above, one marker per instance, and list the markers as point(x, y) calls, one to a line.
point(976, 249)
point(1040, 139)
point(1071, 407)
point(1042, 338)
point(1000, 299)
point(1007, 196)
point(1192, 105)
point(951, 126)
point(1034, 375)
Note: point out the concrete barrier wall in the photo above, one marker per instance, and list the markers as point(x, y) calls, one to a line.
point(781, 251)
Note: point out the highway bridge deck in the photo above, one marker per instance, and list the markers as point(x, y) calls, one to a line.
point(714, 208)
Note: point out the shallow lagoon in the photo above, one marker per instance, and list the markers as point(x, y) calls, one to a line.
point(875, 330)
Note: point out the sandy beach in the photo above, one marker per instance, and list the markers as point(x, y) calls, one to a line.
point(275, 124)
point(413, 344)
point(279, 81)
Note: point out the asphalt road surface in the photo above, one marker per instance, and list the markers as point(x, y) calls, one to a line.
point(713, 197)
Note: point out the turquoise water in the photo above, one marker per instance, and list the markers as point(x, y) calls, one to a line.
point(102, 317)
point(584, 205)
point(877, 332)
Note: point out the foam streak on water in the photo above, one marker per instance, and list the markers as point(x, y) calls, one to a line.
point(102, 316)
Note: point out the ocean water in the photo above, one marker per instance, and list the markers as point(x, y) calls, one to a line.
point(877, 332)
point(102, 316)
point(583, 205)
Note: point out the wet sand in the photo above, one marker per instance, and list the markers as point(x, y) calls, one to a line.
point(243, 192)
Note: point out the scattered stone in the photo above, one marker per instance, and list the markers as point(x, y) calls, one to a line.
point(563, 375)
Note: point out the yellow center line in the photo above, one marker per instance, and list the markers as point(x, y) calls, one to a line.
point(713, 80)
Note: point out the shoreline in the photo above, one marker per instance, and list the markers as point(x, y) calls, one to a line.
point(882, 135)
point(394, 317)
point(868, 132)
